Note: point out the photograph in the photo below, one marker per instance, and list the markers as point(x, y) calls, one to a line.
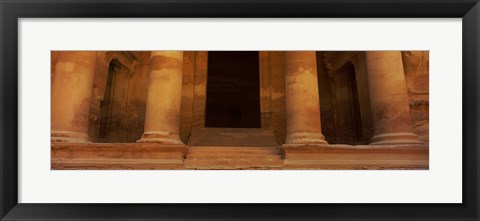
point(322, 110)
point(239, 110)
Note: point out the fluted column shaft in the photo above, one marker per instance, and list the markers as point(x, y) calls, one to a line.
point(162, 117)
point(71, 93)
point(389, 99)
point(302, 99)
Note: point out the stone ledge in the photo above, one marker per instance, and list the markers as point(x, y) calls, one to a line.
point(355, 157)
point(151, 156)
point(233, 158)
point(117, 156)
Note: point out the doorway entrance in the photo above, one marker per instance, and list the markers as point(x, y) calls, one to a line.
point(233, 90)
point(347, 107)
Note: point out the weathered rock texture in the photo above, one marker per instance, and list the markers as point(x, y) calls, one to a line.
point(71, 90)
point(416, 66)
point(109, 100)
point(345, 98)
point(162, 116)
point(355, 126)
point(117, 110)
point(233, 137)
point(389, 99)
point(302, 100)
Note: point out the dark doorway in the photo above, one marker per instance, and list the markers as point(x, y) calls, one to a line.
point(114, 126)
point(106, 104)
point(347, 108)
point(233, 89)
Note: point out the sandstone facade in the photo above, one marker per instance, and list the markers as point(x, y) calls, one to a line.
point(314, 110)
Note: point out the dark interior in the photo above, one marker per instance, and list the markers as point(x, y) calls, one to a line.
point(233, 89)
point(106, 103)
point(348, 126)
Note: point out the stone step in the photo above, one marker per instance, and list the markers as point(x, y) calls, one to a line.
point(212, 157)
point(233, 164)
point(232, 156)
point(233, 150)
point(233, 137)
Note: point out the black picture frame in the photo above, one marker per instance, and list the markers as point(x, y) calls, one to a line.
point(12, 10)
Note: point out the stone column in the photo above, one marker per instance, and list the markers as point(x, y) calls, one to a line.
point(162, 117)
point(302, 100)
point(71, 92)
point(389, 99)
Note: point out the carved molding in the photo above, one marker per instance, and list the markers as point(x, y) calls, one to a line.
point(334, 60)
point(125, 58)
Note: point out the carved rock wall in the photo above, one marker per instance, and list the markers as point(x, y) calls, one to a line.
point(416, 66)
point(126, 110)
point(278, 120)
point(188, 85)
point(327, 106)
point(127, 118)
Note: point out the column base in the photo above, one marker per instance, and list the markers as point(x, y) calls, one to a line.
point(160, 137)
point(69, 137)
point(396, 138)
point(305, 138)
